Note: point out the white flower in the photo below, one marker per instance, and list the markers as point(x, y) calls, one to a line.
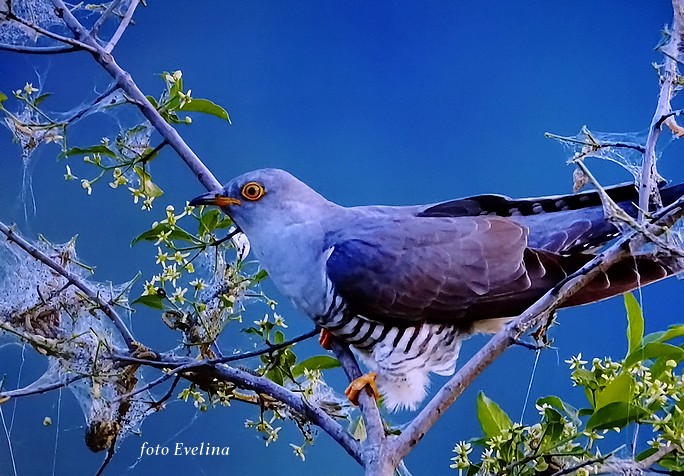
point(30, 89)
point(576, 362)
point(68, 175)
point(87, 185)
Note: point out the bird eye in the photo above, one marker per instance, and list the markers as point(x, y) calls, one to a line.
point(253, 191)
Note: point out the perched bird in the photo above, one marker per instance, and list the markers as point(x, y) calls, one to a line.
point(405, 286)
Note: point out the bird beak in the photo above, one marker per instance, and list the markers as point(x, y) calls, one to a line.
point(214, 198)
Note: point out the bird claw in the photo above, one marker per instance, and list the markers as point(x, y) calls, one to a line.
point(365, 381)
point(325, 339)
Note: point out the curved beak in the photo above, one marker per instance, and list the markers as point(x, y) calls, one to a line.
point(214, 198)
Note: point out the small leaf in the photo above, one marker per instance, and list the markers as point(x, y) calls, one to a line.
point(278, 337)
point(96, 149)
point(151, 300)
point(153, 101)
point(205, 106)
point(492, 418)
point(208, 221)
point(635, 323)
point(559, 404)
point(259, 277)
point(616, 415)
point(149, 187)
point(177, 233)
point(41, 98)
point(620, 389)
point(3, 97)
point(318, 362)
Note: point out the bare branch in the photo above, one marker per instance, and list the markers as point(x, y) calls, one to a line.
point(667, 91)
point(72, 279)
point(258, 384)
point(94, 31)
point(535, 314)
point(38, 50)
point(125, 21)
point(375, 430)
point(62, 39)
point(35, 388)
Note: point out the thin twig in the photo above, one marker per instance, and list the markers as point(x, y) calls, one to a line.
point(71, 278)
point(38, 50)
point(35, 390)
point(267, 350)
point(123, 24)
point(95, 30)
point(62, 39)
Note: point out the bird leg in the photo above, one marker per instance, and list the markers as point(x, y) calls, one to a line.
point(364, 381)
point(325, 339)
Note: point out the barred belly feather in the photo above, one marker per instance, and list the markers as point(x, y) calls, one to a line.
point(402, 357)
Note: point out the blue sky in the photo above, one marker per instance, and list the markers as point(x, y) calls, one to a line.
point(370, 103)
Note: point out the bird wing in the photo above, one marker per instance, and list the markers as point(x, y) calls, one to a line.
point(454, 270)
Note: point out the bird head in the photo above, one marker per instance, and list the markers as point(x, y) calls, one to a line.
point(265, 199)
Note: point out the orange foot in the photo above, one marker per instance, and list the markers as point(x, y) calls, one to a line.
point(325, 339)
point(364, 381)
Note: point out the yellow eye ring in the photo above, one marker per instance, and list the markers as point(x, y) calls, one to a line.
point(252, 191)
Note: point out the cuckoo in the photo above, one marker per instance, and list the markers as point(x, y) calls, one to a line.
point(405, 285)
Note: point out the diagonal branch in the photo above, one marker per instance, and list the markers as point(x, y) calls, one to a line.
point(74, 280)
point(125, 21)
point(535, 314)
point(136, 96)
point(258, 384)
point(73, 43)
point(95, 30)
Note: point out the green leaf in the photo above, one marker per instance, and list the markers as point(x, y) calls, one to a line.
point(153, 101)
point(278, 337)
point(149, 187)
point(153, 234)
point(205, 106)
point(225, 223)
point(151, 300)
point(616, 415)
point(654, 351)
point(41, 98)
point(96, 149)
point(259, 277)
point(560, 405)
point(620, 389)
point(635, 323)
point(672, 332)
point(318, 362)
point(492, 418)
point(208, 221)
point(3, 97)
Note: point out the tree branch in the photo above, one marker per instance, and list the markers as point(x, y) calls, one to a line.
point(535, 314)
point(95, 30)
point(125, 21)
point(258, 384)
point(72, 279)
point(135, 95)
point(54, 36)
point(375, 430)
point(667, 91)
